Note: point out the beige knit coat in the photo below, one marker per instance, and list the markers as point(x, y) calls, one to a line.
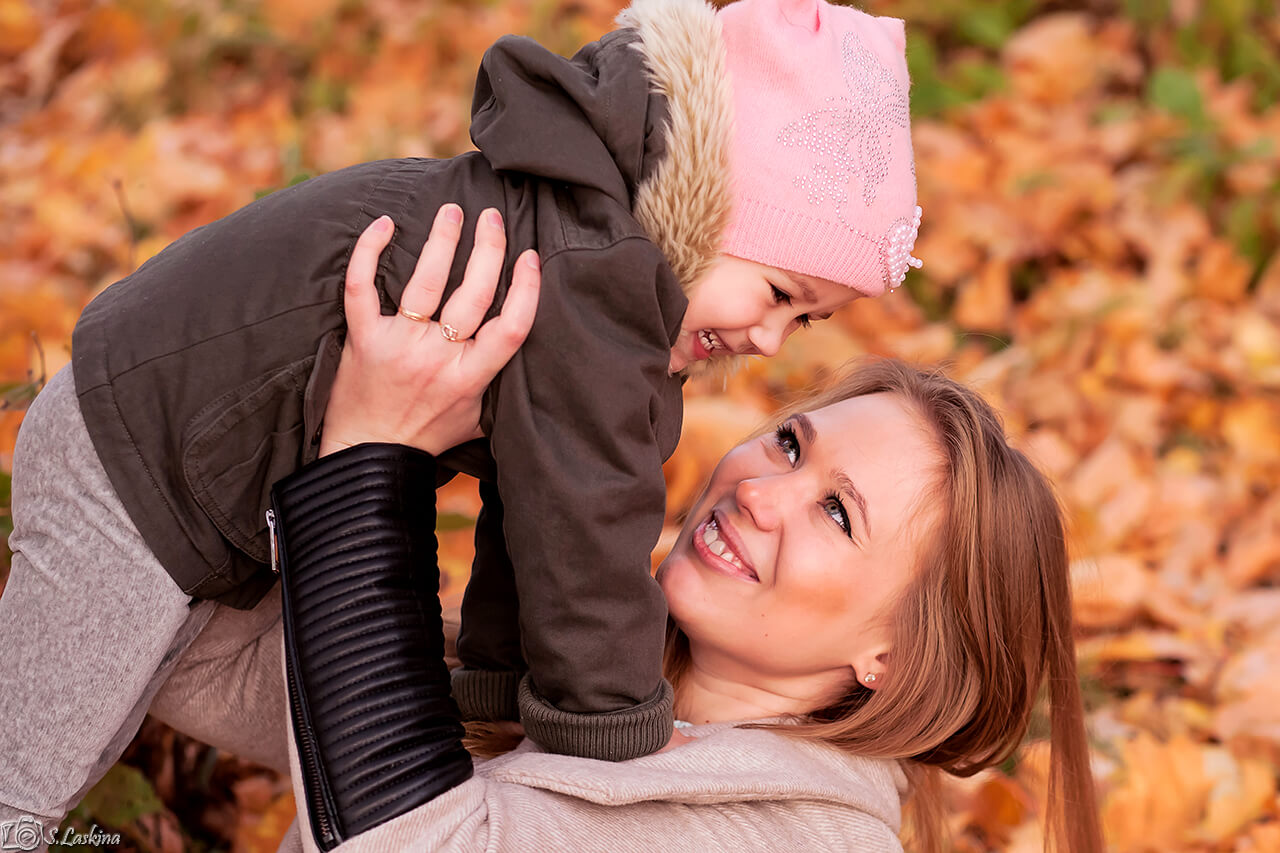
point(731, 789)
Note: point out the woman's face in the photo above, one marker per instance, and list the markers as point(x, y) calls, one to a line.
point(786, 568)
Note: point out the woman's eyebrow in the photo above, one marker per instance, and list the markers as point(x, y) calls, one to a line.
point(847, 486)
point(842, 479)
point(806, 427)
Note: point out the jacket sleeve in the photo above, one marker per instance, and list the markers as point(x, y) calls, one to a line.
point(580, 475)
point(484, 814)
point(489, 640)
point(375, 730)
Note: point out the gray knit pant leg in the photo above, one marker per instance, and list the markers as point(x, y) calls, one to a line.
point(228, 688)
point(90, 622)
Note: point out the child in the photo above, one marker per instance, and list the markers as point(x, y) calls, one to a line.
point(697, 185)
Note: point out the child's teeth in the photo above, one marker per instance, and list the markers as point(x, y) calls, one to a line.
point(717, 547)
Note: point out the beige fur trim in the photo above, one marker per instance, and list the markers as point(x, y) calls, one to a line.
point(684, 205)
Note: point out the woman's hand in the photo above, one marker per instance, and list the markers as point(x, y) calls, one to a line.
point(404, 379)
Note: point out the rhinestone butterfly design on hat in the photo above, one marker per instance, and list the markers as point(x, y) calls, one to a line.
point(848, 139)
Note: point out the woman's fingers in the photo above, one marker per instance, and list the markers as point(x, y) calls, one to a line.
point(359, 296)
point(499, 339)
point(431, 273)
point(467, 305)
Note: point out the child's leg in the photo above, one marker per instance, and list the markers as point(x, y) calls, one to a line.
point(228, 688)
point(90, 622)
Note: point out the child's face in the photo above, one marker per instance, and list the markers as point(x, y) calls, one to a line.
point(741, 307)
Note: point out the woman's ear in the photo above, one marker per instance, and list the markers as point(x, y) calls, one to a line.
point(871, 667)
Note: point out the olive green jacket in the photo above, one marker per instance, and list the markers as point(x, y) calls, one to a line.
point(204, 375)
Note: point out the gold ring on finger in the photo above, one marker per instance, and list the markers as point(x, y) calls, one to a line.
point(414, 315)
point(450, 333)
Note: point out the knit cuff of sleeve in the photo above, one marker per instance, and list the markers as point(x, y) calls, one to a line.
point(486, 695)
point(609, 736)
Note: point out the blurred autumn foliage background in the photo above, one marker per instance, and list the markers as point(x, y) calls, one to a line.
point(1101, 234)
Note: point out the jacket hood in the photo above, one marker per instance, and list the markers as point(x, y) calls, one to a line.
point(642, 115)
point(684, 204)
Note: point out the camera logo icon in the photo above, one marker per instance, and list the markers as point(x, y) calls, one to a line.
point(25, 834)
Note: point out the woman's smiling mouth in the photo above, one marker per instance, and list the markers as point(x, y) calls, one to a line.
point(715, 546)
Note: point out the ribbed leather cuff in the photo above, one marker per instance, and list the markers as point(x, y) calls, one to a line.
point(485, 695)
point(376, 731)
point(609, 736)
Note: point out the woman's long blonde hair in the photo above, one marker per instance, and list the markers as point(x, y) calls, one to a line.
point(985, 621)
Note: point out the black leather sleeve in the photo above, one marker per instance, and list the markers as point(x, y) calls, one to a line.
point(376, 731)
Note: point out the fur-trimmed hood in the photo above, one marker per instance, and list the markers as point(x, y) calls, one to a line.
point(643, 115)
point(684, 205)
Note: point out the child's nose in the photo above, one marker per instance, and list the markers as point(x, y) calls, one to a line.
point(766, 339)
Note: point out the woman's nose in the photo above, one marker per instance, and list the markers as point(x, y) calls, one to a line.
point(758, 499)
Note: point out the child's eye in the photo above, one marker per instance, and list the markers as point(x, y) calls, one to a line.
point(834, 507)
point(785, 438)
point(781, 297)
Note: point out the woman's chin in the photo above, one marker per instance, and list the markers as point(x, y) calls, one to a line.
point(680, 584)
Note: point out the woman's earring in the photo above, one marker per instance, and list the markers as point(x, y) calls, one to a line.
point(870, 678)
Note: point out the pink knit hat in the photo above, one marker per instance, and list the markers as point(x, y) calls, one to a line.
point(824, 178)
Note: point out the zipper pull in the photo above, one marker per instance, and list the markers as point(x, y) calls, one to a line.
point(271, 535)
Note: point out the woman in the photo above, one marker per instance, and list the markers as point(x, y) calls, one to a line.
point(871, 594)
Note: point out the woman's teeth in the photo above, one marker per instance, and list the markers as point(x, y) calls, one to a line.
point(717, 546)
point(710, 341)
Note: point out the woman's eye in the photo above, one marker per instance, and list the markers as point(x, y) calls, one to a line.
point(834, 507)
point(805, 321)
point(785, 438)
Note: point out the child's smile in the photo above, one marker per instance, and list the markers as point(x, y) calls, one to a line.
point(706, 343)
point(741, 307)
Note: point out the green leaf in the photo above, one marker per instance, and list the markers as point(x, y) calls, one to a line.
point(926, 89)
point(122, 796)
point(1230, 14)
point(988, 26)
point(15, 396)
point(977, 79)
point(447, 521)
point(1244, 228)
point(1174, 91)
point(1148, 12)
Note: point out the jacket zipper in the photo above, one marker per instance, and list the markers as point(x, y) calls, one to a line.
point(322, 825)
point(317, 792)
point(271, 537)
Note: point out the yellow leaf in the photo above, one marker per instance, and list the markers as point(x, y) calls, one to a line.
point(19, 27)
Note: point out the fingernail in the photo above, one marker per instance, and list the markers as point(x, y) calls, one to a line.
point(382, 224)
point(453, 213)
point(531, 258)
point(494, 218)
